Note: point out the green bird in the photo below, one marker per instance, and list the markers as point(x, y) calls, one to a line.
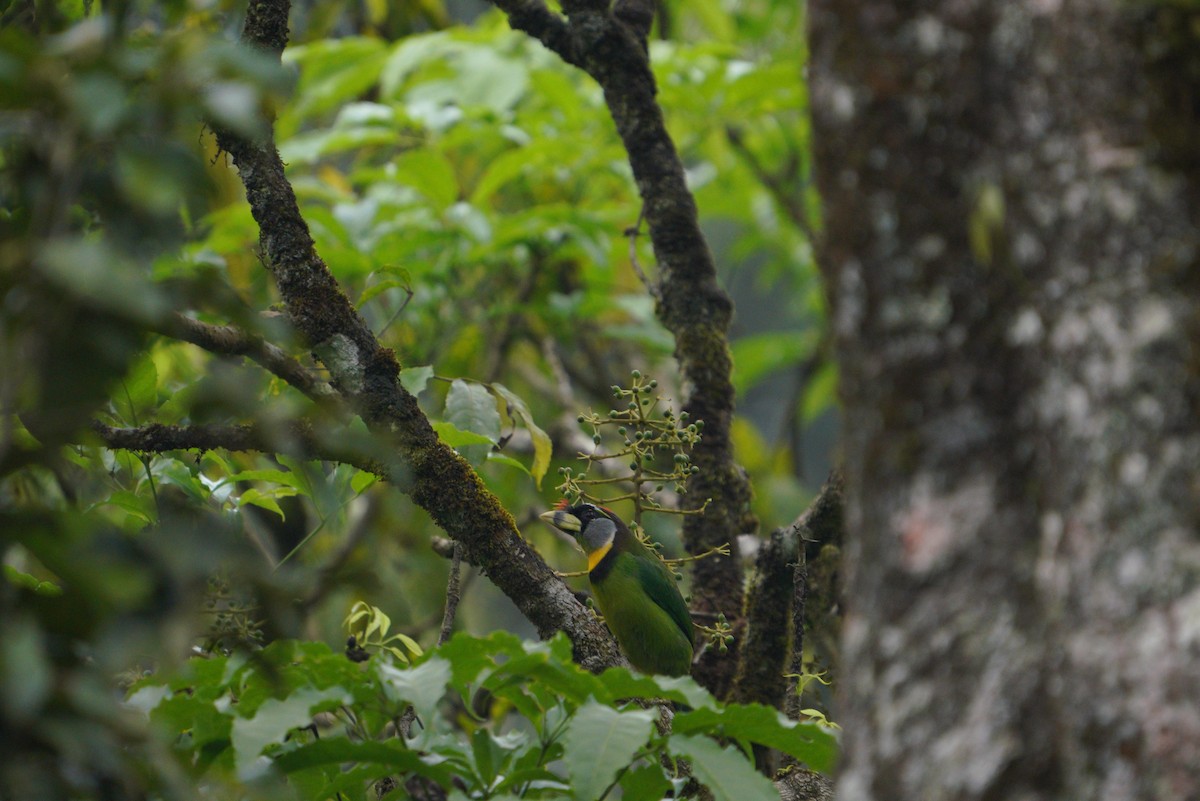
point(635, 591)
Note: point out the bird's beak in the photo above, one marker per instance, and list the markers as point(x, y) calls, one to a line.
point(563, 521)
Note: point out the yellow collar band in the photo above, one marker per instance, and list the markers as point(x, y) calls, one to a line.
point(597, 555)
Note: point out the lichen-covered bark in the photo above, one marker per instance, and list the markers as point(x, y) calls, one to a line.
point(759, 677)
point(1013, 278)
point(365, 373)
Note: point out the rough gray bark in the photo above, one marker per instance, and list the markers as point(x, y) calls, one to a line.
point(1012, 257)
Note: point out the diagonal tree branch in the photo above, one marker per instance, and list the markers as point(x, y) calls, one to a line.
point(231, 341)
point(691, 304)
point(535, 19)
point(296, 439)
point(365, 373)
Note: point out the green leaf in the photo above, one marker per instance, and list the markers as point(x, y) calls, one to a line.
point(808, 742)
point(378, 289)
point(623, 683)
point(455, 437)
point(265, 500)
point(508, 461)
point(414, 379)
point(334, 71)
point(820, 393)
point(429, 173)
point(469, 656)
point(275, 718)
point(470, 407)
point(361, 481)
point(380, 622)
point(412, 645)
point(208, 727)
point(646, 783)
point(500, 171)
point(340, 750)
point(31, 583)
point(138, 391)
point(599, 742)
point(723, 770)
point(542, 446)
point(137, 505)
point(284, 477)
point(422, 686)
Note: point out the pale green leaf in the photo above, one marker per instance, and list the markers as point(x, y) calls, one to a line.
point(455, 437)
point(724, 770)
point(542, 446)
point(414, 379)
point(470, 407)
point(379, 288)
point(422, 686)
point(264, 501)
point(361, 481)
point(599, 742)
point(412, 645)
point(275, 718)
point(815, 746)
point(507, 461)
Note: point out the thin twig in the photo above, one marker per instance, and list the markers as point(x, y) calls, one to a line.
point(633, 232)
point(774, 184)
point(453, 595)
point(231, 341)
point(297, 439)
point(328, 572)
point(722, 550)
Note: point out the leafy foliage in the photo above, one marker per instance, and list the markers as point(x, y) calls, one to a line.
point(467, 192)
point(494, 717)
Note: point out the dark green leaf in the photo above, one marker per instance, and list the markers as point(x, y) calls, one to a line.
point(646, 783)
point(340, 750)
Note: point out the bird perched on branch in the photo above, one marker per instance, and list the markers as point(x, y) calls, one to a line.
point(634, 589)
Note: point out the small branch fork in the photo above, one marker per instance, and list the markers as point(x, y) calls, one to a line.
point(229, 340)
point(611, 46)
point(365, 375)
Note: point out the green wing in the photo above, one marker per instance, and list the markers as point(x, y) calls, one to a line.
point(663, 590)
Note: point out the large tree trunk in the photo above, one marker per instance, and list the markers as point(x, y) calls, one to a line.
point(1012, 256)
